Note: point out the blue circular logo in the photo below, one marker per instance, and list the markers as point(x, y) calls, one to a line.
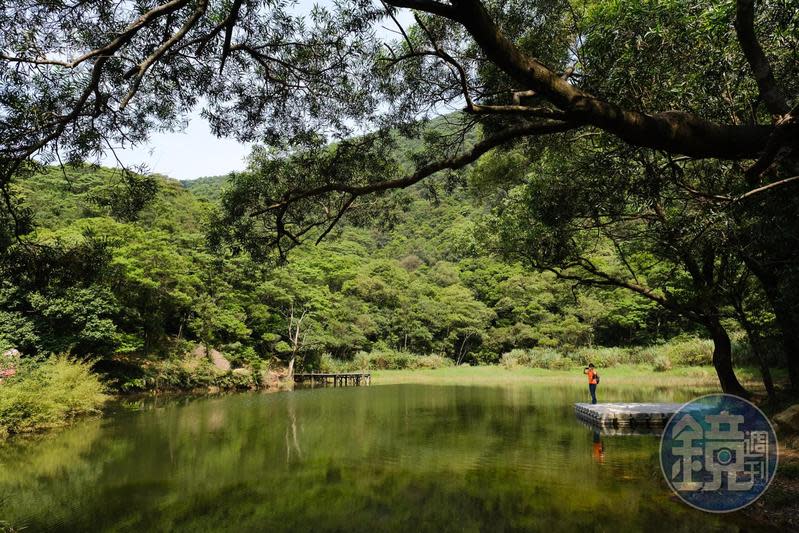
point(718, 453)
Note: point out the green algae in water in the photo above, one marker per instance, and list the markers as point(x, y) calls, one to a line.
point(390, 458)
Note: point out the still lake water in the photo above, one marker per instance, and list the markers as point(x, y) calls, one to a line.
point(380, 458)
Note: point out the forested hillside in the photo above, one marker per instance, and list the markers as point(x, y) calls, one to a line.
point(149, 288)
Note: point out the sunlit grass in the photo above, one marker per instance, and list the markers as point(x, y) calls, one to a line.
point(702, 376)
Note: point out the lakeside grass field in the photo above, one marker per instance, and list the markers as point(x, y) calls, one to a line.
point(700, 376)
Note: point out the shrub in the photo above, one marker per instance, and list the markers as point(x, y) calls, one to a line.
point(508, 360)
point(195, 373)
point(515, 357)
point(432, 361)
point(689, 352)
point(536, 358)
point(361, 361)
point(685, 352)
point(742, 352)
point(328, 364)
point(486, 357)
point(639, 356)
point(242, 356)
point(661, 363)
point(388, 359)
point(48, 394)
point(238, 378)
point(603, 357)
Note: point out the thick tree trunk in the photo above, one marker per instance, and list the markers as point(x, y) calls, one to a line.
point(722, 359)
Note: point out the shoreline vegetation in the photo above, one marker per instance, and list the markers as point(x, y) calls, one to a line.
point(45, 393)
point(623, 375)
point(48, 394)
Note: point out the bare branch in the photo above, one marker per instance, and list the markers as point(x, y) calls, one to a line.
point(460, 72)
point(764, 188)
point(518, 95)
point(344, 208)
point(390, 12)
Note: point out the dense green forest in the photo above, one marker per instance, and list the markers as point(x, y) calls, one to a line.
point(149, 288)
point(598, 187)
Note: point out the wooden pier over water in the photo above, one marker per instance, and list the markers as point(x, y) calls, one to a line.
point(626, 415)
point(337, 380)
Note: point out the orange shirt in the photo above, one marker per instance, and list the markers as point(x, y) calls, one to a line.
point(591, 376)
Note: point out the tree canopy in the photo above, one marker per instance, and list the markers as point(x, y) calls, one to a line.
point(670, 127)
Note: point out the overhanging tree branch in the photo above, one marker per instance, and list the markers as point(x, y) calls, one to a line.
point(230, 23)
point(114, 45)
point(141, 69)
point(770, 91)
point(671, 131)
point(784, 134)
point(424, 171)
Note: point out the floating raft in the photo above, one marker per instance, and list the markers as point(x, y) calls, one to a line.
point(626, 415)
point(625, 431)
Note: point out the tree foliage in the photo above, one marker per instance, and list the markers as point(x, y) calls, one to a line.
point(648, 169)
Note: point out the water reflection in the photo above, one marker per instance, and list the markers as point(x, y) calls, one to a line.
point(393, 458)
point(597, 451)
point(292, 441)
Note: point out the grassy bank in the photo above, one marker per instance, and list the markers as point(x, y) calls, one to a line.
point(643, 375)
point(679, 352)
point(54, 392)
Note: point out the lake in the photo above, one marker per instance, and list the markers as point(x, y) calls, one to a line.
point(379, 458)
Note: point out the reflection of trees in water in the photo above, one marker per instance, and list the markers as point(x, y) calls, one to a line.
point(43, 455)
point(448, 457)
point(52, 473)
point(291, 430)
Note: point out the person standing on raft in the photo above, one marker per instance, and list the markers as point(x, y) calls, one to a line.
point(593, 380)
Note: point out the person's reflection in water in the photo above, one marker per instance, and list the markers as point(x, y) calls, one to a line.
point(598, 452)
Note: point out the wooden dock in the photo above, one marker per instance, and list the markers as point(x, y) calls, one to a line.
point(337, 380)
point(626, 415)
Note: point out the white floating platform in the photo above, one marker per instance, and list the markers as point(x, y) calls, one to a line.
point(622, 431)
point(626, 415)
